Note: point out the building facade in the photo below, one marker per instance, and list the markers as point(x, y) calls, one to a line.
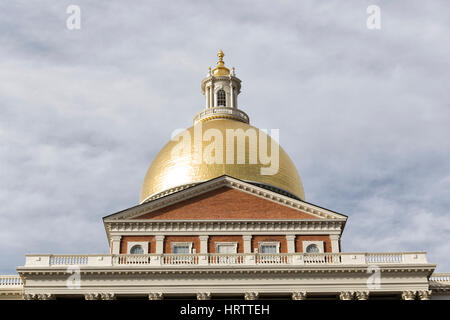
point(222, 217)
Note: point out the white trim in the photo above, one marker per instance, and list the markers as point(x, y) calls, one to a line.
point(319, 245)
point(173, 244)
point(234, 244)
point(269, 243)
point(143, 244)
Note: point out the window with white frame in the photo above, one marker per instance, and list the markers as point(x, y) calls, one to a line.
point(181, 247)
point(137, 247)
point(269, 247)
point(221, 98)
point(226, 247)
point(313, 246)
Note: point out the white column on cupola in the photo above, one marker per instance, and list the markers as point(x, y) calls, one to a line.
point(231, 94)
point(211, 94)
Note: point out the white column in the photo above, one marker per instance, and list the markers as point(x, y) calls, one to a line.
point(207, 97)
point(211, 95)
point(204, 244)
point(334, 242)
point(115, 244)
point(231, 95)
point(290, 239)
point(247, 243)
point(159, 244)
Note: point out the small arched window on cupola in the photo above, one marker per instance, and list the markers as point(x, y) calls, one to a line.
point(221, 98)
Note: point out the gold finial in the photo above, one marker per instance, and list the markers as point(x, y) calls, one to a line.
point(221, 70)
point(220, 55)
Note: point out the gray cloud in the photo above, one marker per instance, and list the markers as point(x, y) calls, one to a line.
point(364, 114)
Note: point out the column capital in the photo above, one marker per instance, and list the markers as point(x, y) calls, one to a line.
point(247, 237)
point(346, 295)
point(251, 296)
point(108, 296)
point(335, 236)
point(408, 295)
point(362, 295)
point(203, 238)
point(298, 295)
point(155, 296)
point(290, 237)
point(204, 296)
point(92, 296)
point(159, 237)
point(424, 294)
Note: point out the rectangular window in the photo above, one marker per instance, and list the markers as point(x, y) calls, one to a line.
point(181, 249)
point(226, 248)
point(269, 248)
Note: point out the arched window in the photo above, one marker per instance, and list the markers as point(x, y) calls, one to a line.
point(312, 248)
point(137, 249)
point(221, 98)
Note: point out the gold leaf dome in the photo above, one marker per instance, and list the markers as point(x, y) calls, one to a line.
point(168, 172)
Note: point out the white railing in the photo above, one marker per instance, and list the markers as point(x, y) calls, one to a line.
point(212, 259)
point(226, 259)
point(322, 258)
point(235, 113)
point(384, 258)
point(10, 281)
point(269, 258)
point(68, 259)
point(180, 259)
point(134, 259)
point(440, 277)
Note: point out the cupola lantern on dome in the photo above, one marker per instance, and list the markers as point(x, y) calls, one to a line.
point(169, 174)
point(221, 89)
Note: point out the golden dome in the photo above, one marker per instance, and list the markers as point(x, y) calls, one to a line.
point(171, 168)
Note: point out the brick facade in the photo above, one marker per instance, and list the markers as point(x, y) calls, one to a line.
point(126, 239)
point(169, 239)
point(226, 238)
point(213, 239)
point(326, 242)
point(226, 203)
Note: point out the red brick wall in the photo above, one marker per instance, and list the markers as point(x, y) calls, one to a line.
point(325, 239)
point(213, 239)
point(226, 203)
point(269, 238)
point(126, 239)
point(225, 238)
point(169, 239)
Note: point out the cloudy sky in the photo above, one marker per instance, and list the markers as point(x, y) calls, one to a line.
point(364, 114)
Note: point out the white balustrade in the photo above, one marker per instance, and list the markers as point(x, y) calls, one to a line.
point(10, 281)
point(440, 277)
point(322, 258)
point(215, 259)
point(278, 258)
point(236, 113)
point(222, 259)
point(180, 259)
point(68, 259)
point(134, 259)
point(382, 258)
